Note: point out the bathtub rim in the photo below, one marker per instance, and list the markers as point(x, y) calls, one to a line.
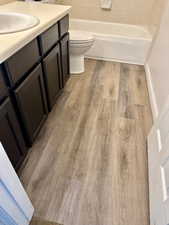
point(141, 27)
point(119, 48)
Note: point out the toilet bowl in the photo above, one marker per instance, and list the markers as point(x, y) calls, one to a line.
point(80, 43)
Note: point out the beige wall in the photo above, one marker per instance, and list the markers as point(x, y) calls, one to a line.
point(123, 11)
point(158, 63)
point(2, 2)
point(142, 12)
point(156, 12)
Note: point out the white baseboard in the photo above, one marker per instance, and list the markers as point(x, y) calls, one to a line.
point(152, 96)
point(114, 60)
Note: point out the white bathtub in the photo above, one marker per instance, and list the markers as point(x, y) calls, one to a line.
point(116, 42)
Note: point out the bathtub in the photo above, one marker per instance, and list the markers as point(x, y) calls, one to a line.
point(116, 42)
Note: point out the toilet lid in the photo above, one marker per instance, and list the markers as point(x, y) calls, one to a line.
point(80, 36)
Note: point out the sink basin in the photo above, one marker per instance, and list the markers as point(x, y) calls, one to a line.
point(15, 22)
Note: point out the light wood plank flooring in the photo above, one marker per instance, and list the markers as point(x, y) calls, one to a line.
point(39, 221)
point(89, 163)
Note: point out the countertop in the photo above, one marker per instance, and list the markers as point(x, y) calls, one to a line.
point(48, 14)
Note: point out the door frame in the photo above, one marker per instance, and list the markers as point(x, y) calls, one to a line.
point(15, 206)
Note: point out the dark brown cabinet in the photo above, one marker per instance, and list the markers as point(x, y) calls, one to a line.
point(64, 43)
point(63, 26)
point(31, 102)
point(52, 75)
point(3, 88)
point(22, 61)
point(10, 134)
point(34, 78)
point(49, 38)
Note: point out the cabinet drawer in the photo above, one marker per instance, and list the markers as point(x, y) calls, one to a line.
point(3, 88)
point(49, 38)
point(31, 101)
point(64, 25)
point(22, 61)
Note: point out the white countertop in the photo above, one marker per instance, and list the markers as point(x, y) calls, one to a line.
point(48, 15)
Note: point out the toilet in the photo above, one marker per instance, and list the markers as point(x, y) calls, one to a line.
point(80, 43)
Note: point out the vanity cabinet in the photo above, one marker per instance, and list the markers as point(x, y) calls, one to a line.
point(52, 75)
point(10, 134)
point(34, 78)
point(65, 64)
point(31, 102)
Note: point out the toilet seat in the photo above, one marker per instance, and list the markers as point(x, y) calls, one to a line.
point(80, 37)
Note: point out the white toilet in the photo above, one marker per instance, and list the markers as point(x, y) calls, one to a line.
point(80, 43)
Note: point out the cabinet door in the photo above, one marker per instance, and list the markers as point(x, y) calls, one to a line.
point(52, 73)
point(10, 134)
point(65, 58)
point(31, 101)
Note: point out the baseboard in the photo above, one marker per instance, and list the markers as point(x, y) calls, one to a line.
point(114, 60)
point(152, 96)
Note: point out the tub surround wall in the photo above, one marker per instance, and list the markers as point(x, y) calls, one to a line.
point(130, 12)
point(157, 66)
point(136, 12)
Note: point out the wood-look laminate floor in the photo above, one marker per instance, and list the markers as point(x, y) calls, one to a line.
point(89, 164)
point(39, 221)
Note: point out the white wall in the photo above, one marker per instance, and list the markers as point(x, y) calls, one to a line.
point(158, 65)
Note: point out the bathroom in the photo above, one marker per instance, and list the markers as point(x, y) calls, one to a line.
point(84, 112)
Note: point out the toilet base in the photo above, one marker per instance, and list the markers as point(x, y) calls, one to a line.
point(77, 64)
